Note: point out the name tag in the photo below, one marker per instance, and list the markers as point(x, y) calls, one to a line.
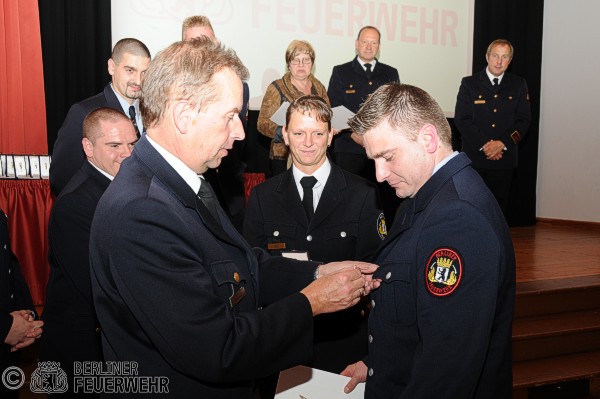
point(237, 296)
point(479, 101)
point(276, 245)
point(350, 91)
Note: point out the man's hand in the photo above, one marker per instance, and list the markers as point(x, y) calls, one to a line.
point(24, 330)
point(336, 291)
point(493, 150)
point(367, 269)
point(357, 373)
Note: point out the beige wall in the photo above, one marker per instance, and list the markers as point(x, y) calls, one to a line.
point(569, 150)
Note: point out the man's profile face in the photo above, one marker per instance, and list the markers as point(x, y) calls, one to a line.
point(308, 140)
point(213, 130)
point(498, 59)
point(404, 164)
point(197, 32)
point(111, 146)
point(127, 75)
point(367, 45)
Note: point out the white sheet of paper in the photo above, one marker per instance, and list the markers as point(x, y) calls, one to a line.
point(279, 115)
point(299, 255)
point(34, 163)
point(340, 118)
point(21, 169)
point(304, 382)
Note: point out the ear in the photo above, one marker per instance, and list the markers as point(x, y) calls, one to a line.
point(330, 138)
point(111, 67)
point(183, 116)
point(429, 137)
point(284, 133)
point(88, 147)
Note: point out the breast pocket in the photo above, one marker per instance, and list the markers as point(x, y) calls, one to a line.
point(280, 237)
point(231, 284)
point(394, 301)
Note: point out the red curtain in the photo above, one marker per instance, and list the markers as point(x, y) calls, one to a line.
point(23, 131)
point(27, 204)
point(22, 104)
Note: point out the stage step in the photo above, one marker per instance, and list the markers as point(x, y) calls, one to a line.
point(556, 333)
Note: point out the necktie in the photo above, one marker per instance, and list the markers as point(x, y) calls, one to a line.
point(132, 117)
point(308, 183)
point(207, 196)
point(495, 82)
point(368, 66)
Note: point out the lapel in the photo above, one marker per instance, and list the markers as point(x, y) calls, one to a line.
point(332, 196)
point(359, 70)
point(180, 190)
point(289, 198)
point(98, 178)
point(111, 99)
point(484, 80)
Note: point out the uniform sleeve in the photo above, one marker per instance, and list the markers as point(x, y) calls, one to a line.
point(455, 323)
point(67, 155)
point(522, 116)
point(173, 296)
point(371, 225)
point(464, 117)
point(270, 104)
point(335, 91)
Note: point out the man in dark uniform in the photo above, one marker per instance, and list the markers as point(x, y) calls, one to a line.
point(72, 329)
point(344, 222)
point(350, 85)
point(18, 327)
point(492, 114)
point(176, 288)
point(127, 65)
point(440, 324)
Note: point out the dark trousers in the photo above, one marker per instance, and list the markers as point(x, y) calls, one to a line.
point(499, 182)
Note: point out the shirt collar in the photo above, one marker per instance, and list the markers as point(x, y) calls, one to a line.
point(125, 104)
point(362, 63)
point(190, 177)
point(320, 174)
point(491, 76)
point(109, 176)
point(444, 162)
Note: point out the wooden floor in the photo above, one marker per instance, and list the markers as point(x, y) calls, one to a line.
point(555, 250)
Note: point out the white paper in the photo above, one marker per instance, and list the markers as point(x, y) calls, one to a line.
point(279, 115)
point(340, 118)
point(302, 382)
point(299, 255)
point(34, 163)
point(21, 169)
point(45, 166)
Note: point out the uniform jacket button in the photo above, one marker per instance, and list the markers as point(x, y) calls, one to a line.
point(276, 233)
point(370, 338)
point(308, 238)
point(98, 330)
point(388, 275)
point(343, 234)
point(370, 372)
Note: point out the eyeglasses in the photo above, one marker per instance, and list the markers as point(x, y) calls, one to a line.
point(304, 61)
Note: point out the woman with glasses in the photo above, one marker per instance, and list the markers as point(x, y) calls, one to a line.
point(298, 81)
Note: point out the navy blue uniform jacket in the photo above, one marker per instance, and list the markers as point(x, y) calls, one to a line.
point(485, 113)
point(440, 326)
point(349, 86)
point(69, 304)
point(344, 227)
point(180, 294)
point(67, 154)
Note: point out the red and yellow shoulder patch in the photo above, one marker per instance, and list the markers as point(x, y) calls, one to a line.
point(443, 272)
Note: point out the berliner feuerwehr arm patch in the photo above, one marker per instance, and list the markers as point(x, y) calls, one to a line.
point(443, 271)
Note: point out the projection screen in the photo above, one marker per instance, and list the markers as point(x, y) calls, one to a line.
point(429, 42)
